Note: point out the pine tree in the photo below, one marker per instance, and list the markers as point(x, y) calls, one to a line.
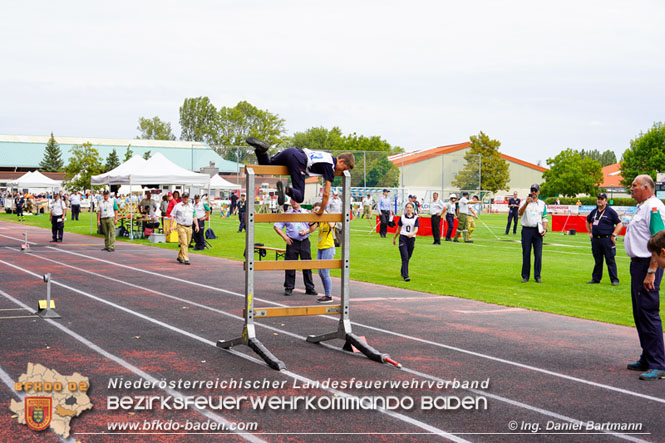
point(112, 161)
point(52, 161)
point(128, 153)
point(146, 155)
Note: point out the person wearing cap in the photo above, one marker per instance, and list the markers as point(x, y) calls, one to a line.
point(513, 210)
point(385, 213)
point(603, 225)
point(302, 163)
point(450, 211)
point(107, 217)
point(297, 246)
point(57, 217)
point(645, 277)
point(436, 208)
point(463, 215)
point(202, 213)
point(184, 215)
point(242, 208)
point(75, 202)
point(533, 218)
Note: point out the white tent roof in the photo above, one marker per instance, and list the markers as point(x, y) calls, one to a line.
point(217, 182)
point(36, 179)
point(122, 173)
point(157, 170)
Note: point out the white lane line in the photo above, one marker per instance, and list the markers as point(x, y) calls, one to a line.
point(397, 334)
point(492, 311)
point(291, 334)
point(523, 405)
point(7, 380)
point(393, 414)
point(132, 368)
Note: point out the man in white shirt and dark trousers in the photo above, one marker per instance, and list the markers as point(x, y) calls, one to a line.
point(184, 215)
point(57, 216)
point(436, 209)
point(645, 278)
point(75, 201)
point(450, 213)
point(385, 211)
point(533, 217)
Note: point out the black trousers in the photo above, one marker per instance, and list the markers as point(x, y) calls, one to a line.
point(604, 248)
point(298, 249)
point(19, 211)
point(512, 215)
point(646, 312)
point(384, 217)
point(531, 238)
point(450, 221)
point(199, 236)
point(406, 246)
point(241, 219)
point(294, 159)
point(436, 228)
point(76, 210)
point(57, 228)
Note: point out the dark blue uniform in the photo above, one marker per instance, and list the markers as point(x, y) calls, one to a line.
point(602, 226)
point(513, 214)
point(242, 208)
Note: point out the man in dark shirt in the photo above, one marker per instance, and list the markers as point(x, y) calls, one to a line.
point(513, 209)
point(242, 208)
point(302, 163)
point(234, 204)
point(19, 202)
point(603, 224)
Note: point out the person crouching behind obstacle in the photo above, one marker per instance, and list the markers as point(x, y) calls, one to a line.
point(301, 163)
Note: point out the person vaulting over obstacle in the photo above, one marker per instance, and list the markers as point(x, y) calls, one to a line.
point(301, 163)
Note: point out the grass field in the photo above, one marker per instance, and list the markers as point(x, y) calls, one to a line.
point(487, 270)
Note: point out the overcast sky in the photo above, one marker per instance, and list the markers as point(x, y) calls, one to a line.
point(538, 76)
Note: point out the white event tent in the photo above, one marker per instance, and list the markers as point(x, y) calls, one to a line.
point(217, 182)
point(35, 179)
point(156, 170)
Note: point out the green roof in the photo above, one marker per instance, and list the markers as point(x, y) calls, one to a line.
point(28, 151)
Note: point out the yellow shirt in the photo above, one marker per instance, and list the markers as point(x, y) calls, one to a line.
point(326, 239)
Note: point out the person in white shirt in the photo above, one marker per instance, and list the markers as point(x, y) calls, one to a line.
point(463, 225)
point(184, 216)
point(436, 208)
point(450, 211)
point(335, 207)
point(408, 224)
point(368, 202)
point(75, 202)
point(57, 216)
point(645, 277)
point(533, 218)
point(107, 218)
point(474, 209)
point(202, 213)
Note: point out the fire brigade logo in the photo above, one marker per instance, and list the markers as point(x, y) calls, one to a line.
point(38, 412)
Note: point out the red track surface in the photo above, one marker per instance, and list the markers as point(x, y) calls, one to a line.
point(542, 367)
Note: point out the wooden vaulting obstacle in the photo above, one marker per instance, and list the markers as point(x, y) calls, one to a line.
point(343, 331)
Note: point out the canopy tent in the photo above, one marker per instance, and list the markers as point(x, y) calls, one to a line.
point(158, 170)
point(35, 179)
point(217, 182)
point(121, 174)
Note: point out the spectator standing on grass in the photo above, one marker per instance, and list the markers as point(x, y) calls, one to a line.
point(297, 247)
point(19, 202)
point(57, 217)
point(202, 213)
point(385, 213)
point(436, 208)
point(367, 203)
point(408, 228)
point(234, 205)
point(75, 202)
point(463, 215)
point(325, 251)
point(473, 214)
point(450, 211)
point(603, 225)
point(107, 218)
point(242, 210)
point(645, 277)
point(533, 213)
point(184, 216)
point(513, 210)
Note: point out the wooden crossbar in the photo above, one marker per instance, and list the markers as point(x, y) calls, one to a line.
point(276, 170)
point(270, 265)
point(297, 311)
point(294, 218)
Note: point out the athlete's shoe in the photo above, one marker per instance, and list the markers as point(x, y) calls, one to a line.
point(637, 366)
point(280, 193)
point(653, 374)
point(260, 146)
